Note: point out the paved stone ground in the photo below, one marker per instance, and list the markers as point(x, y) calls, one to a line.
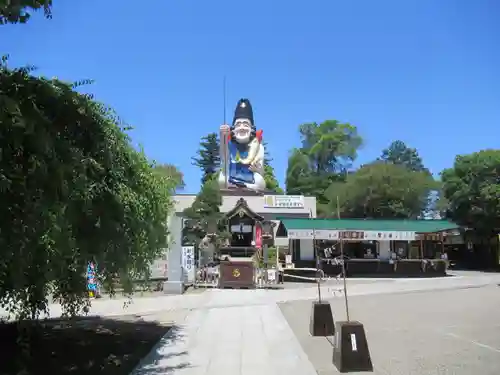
point(423, 333)
point(232, 298)
point(236, 340)
point(244, 332)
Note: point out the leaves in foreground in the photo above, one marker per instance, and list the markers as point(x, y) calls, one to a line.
point(74, 190)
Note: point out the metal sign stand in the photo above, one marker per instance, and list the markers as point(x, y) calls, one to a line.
point(321, 322)
point(350, 352)
point(344, 279)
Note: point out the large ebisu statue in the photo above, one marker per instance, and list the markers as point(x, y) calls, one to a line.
point(242, 151)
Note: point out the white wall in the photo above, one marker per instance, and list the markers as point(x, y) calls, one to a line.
point(384, 249)
point(255, 203)
point(306, 250)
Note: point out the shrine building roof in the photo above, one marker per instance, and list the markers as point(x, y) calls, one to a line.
point(418, 226)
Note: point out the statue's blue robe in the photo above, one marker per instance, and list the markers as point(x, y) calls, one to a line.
point(239, 173)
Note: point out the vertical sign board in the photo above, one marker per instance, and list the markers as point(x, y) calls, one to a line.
point(188, 263)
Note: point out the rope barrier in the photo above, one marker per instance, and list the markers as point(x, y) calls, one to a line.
point(311, 278)
point(321, 278)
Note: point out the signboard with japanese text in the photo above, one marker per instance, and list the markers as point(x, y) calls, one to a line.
point(350, 235)
point(188, 262)
point(430, 237)
point(300, 234)
point(389, 236)
point(283, 201)
point(325, 234)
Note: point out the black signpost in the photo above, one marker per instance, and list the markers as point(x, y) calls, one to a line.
point(350, 349)
point(321, 322)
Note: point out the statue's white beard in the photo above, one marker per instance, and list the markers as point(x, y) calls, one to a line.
point(242, 138)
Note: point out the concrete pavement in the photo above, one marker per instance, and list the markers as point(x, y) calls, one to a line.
point(214, 298)
point(454, 331)
point(244, 340)
point(243, 331)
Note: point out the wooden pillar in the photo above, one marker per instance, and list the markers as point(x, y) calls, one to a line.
point(421, 248)
point(442, 242)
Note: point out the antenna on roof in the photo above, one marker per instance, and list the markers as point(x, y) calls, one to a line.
point(224, 97)
point(223, 138)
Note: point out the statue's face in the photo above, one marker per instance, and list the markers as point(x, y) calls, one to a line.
point(242, 130)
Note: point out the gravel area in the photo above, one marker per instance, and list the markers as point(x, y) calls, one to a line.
point(422, 333)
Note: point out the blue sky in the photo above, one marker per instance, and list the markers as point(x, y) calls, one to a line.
point(423, 71)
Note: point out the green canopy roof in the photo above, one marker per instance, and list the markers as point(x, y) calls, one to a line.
point(418, 226)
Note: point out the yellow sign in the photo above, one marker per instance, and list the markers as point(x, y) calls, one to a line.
point(236, 273)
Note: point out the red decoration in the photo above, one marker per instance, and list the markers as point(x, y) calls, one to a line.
point(258, 237)
point(258, 134)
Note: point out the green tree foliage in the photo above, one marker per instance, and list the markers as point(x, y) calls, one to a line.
point(440, 208)
point(272, 183)
point(19, 11)
point(399, 153)
point(299, 177)
point(381, 190)
point(327, 152)
point(472, 188)
point(73, 190)
point(204, 214)
point(208, 158)
point(173, 175)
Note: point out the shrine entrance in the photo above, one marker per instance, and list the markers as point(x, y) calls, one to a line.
point(242, 228)
point(237, 270)
point(243, 225)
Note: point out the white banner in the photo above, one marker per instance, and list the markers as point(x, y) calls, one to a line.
point(298, 234)
point(188, 262)
point(324, 234)
point(283, 201)
point(271, 275)
point(389, 236)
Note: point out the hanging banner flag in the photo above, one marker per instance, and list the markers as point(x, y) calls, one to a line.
point(258, 237)
point(91, 279)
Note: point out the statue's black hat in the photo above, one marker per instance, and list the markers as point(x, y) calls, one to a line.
point(243, 110)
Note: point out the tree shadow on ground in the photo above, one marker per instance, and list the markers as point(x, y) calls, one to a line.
point(89, 345)
point(162, 359)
